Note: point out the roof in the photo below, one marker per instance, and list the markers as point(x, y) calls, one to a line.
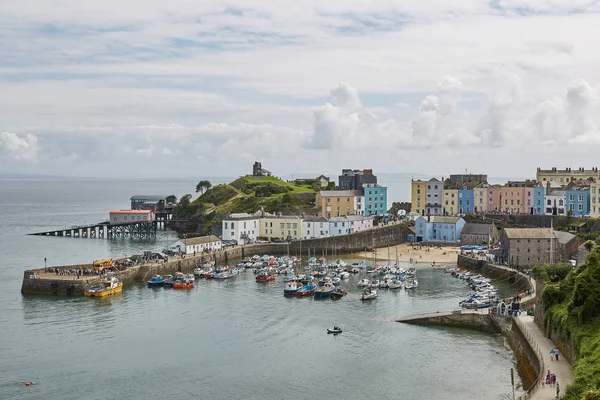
point(443, 220)
point(284, 216)
point(240, 216)
point(201, 240)
point(149, 197)
point(557, 193)
point(314, 218)
point(338, 219)
point(477, 229)
point(322, 177)
point(537, 233)
point(358, 217)
point(340, 193)
point(130, 211)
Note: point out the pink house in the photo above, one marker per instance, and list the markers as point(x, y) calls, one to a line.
point(528, 200)
point(512, 199)
point(494, 196)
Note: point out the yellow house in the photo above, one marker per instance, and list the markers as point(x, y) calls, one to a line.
point(595, 199)
point(480, 199)
point(337, 203)
point(281, 227)
point(418, 196)
point(450, 201)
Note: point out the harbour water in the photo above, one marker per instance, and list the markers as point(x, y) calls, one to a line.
point(223, 339)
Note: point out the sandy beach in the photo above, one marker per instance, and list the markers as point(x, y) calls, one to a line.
point(442, 256)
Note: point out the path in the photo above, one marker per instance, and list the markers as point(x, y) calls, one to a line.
point(562, 368)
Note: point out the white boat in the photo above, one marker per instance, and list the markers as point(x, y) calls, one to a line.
point(368, 294)
point(344, 275)
point(292, 287)
point(395, 284)
point(374, 283)
point(363, 283)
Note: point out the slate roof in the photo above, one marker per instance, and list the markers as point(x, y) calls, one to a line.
point(201, 240)
point(538, 233)
point(477, 229)
point(340, 193)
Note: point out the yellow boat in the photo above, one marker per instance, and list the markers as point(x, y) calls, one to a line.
point(108, 287)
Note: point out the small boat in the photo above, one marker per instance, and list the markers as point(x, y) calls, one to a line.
point(364, 283)
point(374, 283)
point(156, 281)
point(368, 294)
point(199, 272)
point(306, 279)
point(336, 281)
point(306, 290)
point(183, 282)
point(324, 291)
point(344, 275)
point(230, 273)
point(395, 284)
point(292, 287)
point(107, 287)
point(335, 330)
point(338, 293)
point(168, 281)
point(265, 276)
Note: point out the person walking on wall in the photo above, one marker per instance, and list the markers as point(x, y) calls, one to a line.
point(556, 353)
point(557, 390)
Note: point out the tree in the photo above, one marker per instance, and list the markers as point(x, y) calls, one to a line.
point(589, 245)
point(202, 186)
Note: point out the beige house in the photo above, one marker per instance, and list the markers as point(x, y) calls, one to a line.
point(286, 227)
point(564, 176)
point(337, 203)
point(527, 247)
point(450, 201)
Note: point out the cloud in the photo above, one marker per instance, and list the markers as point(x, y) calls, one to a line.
point(19, 147)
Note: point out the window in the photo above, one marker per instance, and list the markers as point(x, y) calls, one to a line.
point(294, 225)
point(115, 218)
point(572, 197)
point(328, 200)
point(560, 202)
point(244, 224)
point(428, 186)
point(572, 207)
point(288, 225)
point(308, 224)
point(335, 224)
point(232, 227)
point(549, 202)
point(580, 207)
point(435, 187)
point(338, 199)
point(125, 218)
point(580, 197)
point(281, 226)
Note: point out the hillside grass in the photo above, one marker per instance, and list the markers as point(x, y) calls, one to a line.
point(571, 307)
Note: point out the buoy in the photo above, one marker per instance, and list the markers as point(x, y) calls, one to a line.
point(27, 383)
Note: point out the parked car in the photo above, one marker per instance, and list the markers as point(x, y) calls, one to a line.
point(261, 241)
point(278, 241)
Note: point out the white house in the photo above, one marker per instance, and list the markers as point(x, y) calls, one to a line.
point(556, 203)
point(339, 226)
point(201, 244)
point(241, 227)
point(359, 223)
point(314, 227)
point(359, 205)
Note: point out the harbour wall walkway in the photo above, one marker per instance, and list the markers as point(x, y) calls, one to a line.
point(36, 281)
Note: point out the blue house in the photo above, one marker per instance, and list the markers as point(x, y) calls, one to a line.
point(375, 199)
point(465, 201)
point(578, 202)
point(539, 194)
point(439, 229)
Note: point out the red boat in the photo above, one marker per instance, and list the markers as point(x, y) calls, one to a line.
point(264, 276)
point(184, 284)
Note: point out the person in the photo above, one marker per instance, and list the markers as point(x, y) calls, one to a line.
point(557, 390)
point(551, 354)
point(543, 382)
point(556, 353)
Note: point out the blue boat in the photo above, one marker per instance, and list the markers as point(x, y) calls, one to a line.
point(306, 290)
point(324, 291)
point(291, 288)
point(156, 281)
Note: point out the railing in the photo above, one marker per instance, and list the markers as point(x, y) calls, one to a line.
point(536, 348)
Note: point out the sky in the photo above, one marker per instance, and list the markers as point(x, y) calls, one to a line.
point(198, 88)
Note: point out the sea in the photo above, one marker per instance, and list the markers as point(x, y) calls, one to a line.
point(234, 339)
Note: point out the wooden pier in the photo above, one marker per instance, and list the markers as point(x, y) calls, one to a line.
point(107, 230)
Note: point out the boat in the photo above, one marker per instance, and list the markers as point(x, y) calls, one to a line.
point(368, 294)
point(227, 274)
point(183, 283)
point(363, 282)
point(335, 330)
point(292, 287)
point(338, 293)
point(306, 290)
point(265, 276)
point(336, 281)
point(395, 284)
point(325, 290)
point(374, 283)
point(306, 279)
point(107, 287)
point(168, 281)
point(344, 275)
point(199, 272)
point(156, 281)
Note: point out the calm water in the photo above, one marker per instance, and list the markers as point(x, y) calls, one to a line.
point(221, 340)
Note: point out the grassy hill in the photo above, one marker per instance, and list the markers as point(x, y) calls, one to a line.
point(246, 194)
